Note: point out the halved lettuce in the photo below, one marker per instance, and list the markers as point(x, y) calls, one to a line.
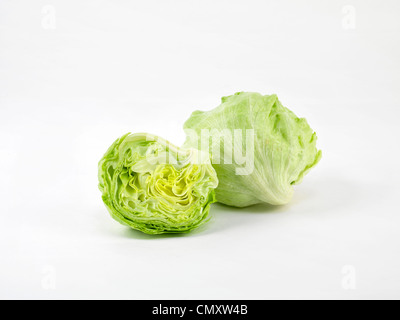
point(280, 148)
point(155, 187)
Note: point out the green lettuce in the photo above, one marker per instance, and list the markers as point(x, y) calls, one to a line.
point(153, 186)
point(280, 148)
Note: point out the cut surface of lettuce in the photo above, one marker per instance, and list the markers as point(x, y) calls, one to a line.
point(283, 148)
point(153, 186)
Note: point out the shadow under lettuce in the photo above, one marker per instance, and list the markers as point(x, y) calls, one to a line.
point(220, 215)
point(333, 194)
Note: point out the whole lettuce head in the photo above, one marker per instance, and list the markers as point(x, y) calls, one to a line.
point(279, 148)
point(153, 186)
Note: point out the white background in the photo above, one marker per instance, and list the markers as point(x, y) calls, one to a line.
point(71, 85)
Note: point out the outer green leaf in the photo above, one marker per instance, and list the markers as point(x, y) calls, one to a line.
point(284, 148)
point(155, 187)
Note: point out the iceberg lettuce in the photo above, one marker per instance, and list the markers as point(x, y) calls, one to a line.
point(153, 186)
point(280, 148)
